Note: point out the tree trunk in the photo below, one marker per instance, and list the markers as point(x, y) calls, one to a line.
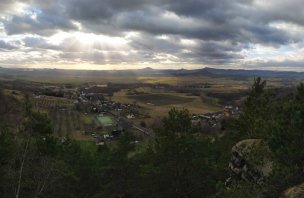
point(21, 168)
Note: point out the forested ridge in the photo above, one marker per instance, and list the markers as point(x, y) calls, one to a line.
point(176, 162)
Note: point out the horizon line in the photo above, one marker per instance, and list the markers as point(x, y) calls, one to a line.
point(151, 68)
point(94, 69)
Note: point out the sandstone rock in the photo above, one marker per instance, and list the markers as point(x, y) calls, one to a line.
point(250, 161)
point(295, 192)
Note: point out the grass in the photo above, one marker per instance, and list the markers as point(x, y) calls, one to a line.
point(88, 146)
point(105, 120)
point(86, 118)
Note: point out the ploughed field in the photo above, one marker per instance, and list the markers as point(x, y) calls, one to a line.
point(49, 102)
point(66, 122)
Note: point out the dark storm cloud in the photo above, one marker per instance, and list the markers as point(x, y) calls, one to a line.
point(221, 29)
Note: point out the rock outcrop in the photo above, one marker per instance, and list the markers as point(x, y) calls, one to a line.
point(250, 161)
point(295, 192)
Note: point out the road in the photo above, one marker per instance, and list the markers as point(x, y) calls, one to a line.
point(125, 121)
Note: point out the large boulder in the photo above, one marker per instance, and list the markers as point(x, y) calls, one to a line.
point(250, 161)
point(295, 192)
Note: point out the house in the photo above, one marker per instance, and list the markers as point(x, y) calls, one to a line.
point(108, 137)
point(205, 117)
point(130, 116)
point(228, 107)
point(101, 143)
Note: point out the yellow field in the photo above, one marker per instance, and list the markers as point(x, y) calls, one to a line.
point(185, 80)
point(195, 106)
point(16, 94)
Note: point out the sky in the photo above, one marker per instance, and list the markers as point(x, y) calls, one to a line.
point(171, 34)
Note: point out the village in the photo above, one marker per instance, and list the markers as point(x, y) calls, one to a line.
point(124, 115)
point(114, 117)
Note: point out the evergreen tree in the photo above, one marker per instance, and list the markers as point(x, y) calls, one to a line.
point(253, 120)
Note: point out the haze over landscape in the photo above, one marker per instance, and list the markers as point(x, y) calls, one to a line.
point(167, 34)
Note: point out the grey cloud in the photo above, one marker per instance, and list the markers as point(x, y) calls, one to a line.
point(211, 52)
point(237, 20)
point(7, 45)
point(281, 10)
point(299, 64)
point(96, 57)
point(44, 24)
point(149, 43)
point(93, 10)
point(39, 43)
point(7, 6)
point(220, 19)
point(221, 28)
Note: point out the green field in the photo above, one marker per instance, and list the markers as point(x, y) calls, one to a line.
point(105, 120)
point(88, 146)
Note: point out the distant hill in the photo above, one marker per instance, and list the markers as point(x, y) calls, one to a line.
point(252, 73)
point(209, 72)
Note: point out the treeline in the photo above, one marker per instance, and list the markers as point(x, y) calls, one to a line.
point(227, 98)
point(49, 92)
point(177, 161)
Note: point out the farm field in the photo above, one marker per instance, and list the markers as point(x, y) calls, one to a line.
point(161, 99)
point(157, 103)
point(67, 121)
point(49, 102)
point(16, 94)
point(190, 80)
point(83, 79)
